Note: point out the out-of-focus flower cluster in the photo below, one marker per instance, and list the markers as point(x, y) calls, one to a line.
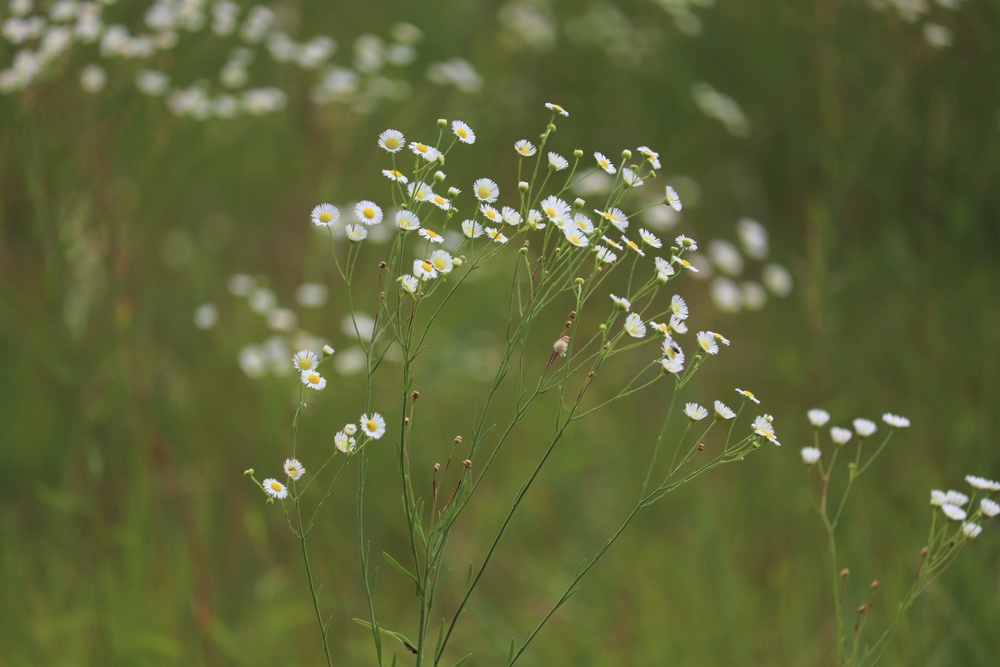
point(48, 41)
point(925, 14)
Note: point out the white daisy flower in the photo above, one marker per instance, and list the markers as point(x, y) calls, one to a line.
point(672, 199)
point(633, 245)
point(274, 488)
point(678, 325)
point(720, 338)
point(762, 426)
point(748, 394)
point(953, 497)
point(485, 190)
point(557, 162)
point(496, 235)
point(407, 221)
point(472, 229)
point(620, 303)
point(938, 497)
point(651, 156)
point(673, 366)
point(817, 417)
point(604, 163)
point(606, 255)
point(989, 507)
point(840, 435)
point(441, 202)
point(684, 264)
point(971, 530)
point(650, 239)
point(305, 360)
point(409, 284)
point(616, 216)
point(294, 470)
point(723, 411)
point(424, 270)
point(574, 236)
point(556, 108)
point(634, 326)
point(864, 427)
point(464, 133)
point(953, 512)
point(368, 212)
point(810, 455)
point(982, 483)
point(707, 342)
point(510, 216)
point(585, 224)
point(419, 191)
point(491, 214)
point(442, 261)
point(431, 235)
point(325, 215)
point(524, 147)
point(661, 327)
point(555, 208)
point(612, 243)
point(895, 421)
point(356, 233)
point(350, 429)
point(631, 178)
point(428, 153)
point(373, 426)
point(344, 442)
point(678, 306)
point(394, 175)
point(561, 346)
point(695, 412)
point(686, 243)
point(663, 266)
point(671, 350)
point(392, 141)
point(313, 380)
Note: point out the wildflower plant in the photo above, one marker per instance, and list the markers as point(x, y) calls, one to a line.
point(956, 519)
point(555, 253)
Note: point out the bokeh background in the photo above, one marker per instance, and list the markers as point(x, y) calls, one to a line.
point(864, 136)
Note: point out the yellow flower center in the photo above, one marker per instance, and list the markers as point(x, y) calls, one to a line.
point(432, 234)
point(483, 192)
point(422, 148)
point(427, 266)
point(396, 174)
point(574, 239)
point(633, 245)
point(392, 142)
point(369, 213)
point(276, 486)
point(325, 216)
point(462, 133)
point(439, 200)
point(305, 363)
point(495, 234)
point(313, 378)
point(439, 263)
point(372, 425)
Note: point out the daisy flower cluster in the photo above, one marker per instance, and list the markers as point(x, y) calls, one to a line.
point(959, 507)
point(104, 37)
point(840, 436)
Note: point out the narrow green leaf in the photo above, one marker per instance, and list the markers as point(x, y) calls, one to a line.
point(398, 636)
point(462, 661)
point(402, 570)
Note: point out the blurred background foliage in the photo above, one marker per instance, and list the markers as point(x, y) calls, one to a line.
point(864, 136)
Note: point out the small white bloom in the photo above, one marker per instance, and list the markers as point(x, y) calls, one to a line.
point(672, 199)
point(953, 512)
point(576, 238)
point(673, 366)
point(723, 411)
point(695, 412)
point(325, 215)
point(982, 483)
point(409, 283)
point(762, 426)
point(650, 239)
point(305, 360)
point(394, 175)
point(611, 243)
point(971, 530)
point(463, 132)
point(561, 346)
point(419, 191)
point(424, 270)
point(368, 212)
point(442, 261)
point(631, 179)
point(274, 488)
point(373, 426)
point(953, 497)
point(356, 233)
point(350, 429)
point(585, 224)
point(895, 420)
point(556, 108)
point(431, 235)
point(686, 243)
point(634, 326)
point(392, 141)
point(616, 216)
point(938, 497)
point(671, 350)
point(840, 435)
point(555, 208)
point(496, 235)
point(441, 202)
point(651, 156)
point(621, 303)
point(472, 229)
point(748, 394)
point(604, 163)
point(491, 214)
point(679, 307)
point(344, 442)
point(707, 342)
point(557, 162)
point(989, 507)
point(428, 153)
point(684, 264)
point(810, 455)
point(524, 147)
point(294, 469)
point(864, 427)
point(678, 325)
point(633, 245)
point(817, 417)
point(485, 190)
point(510, 216)
point(407, 221)
point(606, 255)
point(313, 380)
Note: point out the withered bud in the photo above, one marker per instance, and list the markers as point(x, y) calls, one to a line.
point(924, 551)
point(862, 609)
point(415, 395)
point(701, 446)
point(590, 374)
point(382, 264)
point(437, 467)
point(467, 463)
point(526, 243)
point(572, 314)
point(406, 421)
point(875, 585)
point(845, 573)
point(381, 294)
point(568, 324)
point(458, 440)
